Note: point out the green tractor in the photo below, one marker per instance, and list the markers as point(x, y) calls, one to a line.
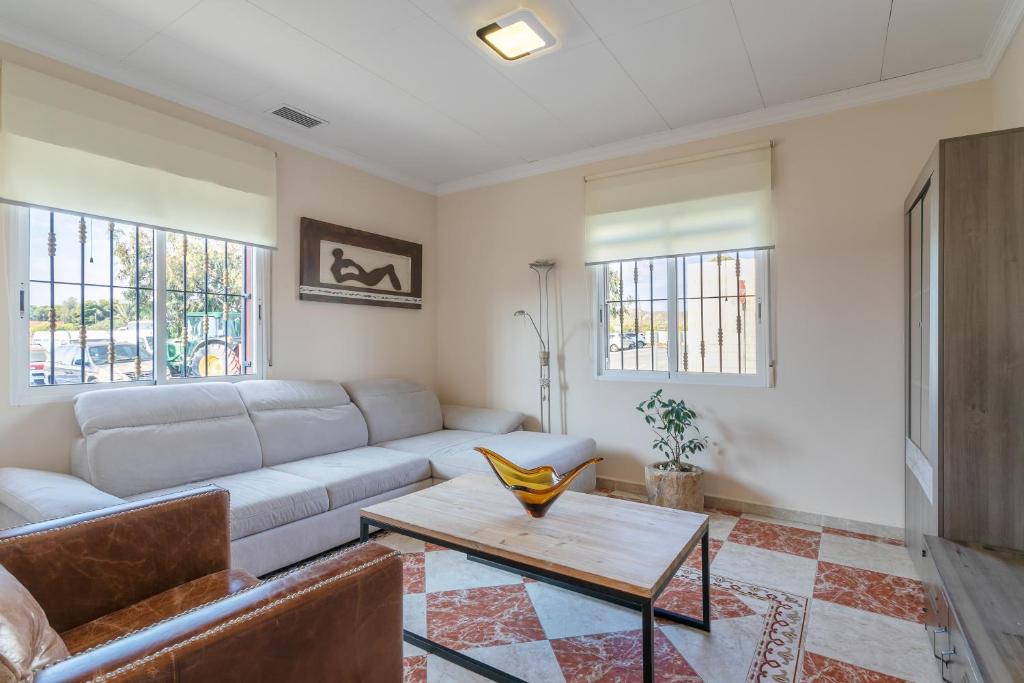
point(211, 351)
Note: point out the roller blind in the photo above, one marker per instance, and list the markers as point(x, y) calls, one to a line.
point(716, 202)
point(67, 147)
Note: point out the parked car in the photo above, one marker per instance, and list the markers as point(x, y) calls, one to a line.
point(626, 341)
point(37, 358)
point(60, 338)
point(68, 363)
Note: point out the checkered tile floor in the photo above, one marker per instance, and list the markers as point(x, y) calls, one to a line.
point(790, 602)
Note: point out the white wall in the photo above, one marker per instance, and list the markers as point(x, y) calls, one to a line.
point(310, 339)
point(1008, 86)
point(828, 437)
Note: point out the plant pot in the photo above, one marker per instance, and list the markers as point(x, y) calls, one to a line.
point(679, 490)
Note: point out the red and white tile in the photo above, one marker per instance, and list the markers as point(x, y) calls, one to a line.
point(619, 657)
point(821, 669)
point(482, 617)
point(790, 602)
point(875, 592)
point(879, 643)
point(778, 537)
point(854, 551)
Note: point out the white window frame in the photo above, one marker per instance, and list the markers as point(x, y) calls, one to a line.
point(15, 219)
point(765, 375)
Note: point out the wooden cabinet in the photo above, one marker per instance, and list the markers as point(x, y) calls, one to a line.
point(964, 442)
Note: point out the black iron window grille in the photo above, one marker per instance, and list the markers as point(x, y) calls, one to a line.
point(693, 315)
point(209, 307)
point(93, 298)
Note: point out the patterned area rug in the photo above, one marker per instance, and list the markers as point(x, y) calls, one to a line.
point(542, 633)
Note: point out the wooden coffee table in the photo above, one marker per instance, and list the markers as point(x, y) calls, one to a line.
point(619, 551)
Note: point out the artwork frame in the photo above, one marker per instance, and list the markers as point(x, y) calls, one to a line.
point(338, 264)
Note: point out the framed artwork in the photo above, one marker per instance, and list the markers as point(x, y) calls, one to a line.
point(348, 266)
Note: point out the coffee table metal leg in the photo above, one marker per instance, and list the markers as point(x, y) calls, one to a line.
point(705, 580)
point(364, 531)
point(704, 623)
point(647, 613)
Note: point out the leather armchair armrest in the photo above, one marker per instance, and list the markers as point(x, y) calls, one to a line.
point(81, 567)
point(488, 420)
point(338, 619)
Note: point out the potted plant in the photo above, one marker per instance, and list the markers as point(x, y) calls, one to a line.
point(674, 483)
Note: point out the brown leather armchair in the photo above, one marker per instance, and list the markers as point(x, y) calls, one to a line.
point(144, 592)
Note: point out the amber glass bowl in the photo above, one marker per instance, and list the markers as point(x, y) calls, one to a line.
point(536, 489)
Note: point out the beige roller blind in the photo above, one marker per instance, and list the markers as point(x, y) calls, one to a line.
point(714, 202)
point(67, 147)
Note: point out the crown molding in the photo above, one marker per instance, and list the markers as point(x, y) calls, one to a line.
point(120, 73)
point(1003, 32)
point(893, 88)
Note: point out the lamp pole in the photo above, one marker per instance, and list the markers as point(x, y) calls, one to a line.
point(543, 270)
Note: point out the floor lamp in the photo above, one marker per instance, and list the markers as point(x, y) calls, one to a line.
point(543, 270)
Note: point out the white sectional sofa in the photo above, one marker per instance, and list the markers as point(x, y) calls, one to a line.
point(299, 458)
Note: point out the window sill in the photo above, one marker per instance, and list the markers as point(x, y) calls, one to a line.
point(712, 380)
point(43, 394)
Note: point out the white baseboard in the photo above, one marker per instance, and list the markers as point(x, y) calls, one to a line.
point(780, 513)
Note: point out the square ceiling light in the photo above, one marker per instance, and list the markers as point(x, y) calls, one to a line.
point(517, 35)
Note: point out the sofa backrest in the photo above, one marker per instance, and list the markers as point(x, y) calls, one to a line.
point(141, 439)
point(396, 408)
point(301, 419)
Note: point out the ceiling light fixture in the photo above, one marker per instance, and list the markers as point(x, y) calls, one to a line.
point(517, 35)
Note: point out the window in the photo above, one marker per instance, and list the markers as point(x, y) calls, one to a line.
point(91, 291)
point(699, 318)
point(680, 252)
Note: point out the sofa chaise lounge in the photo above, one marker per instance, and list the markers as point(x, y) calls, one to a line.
point(298, 458)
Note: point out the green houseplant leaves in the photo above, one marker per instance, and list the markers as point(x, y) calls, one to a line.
point(672, 421)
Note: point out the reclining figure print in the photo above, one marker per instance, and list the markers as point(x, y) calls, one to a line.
point(369, 278)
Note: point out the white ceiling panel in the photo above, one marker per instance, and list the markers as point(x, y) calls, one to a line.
point(422, 58)
point(79, 23)
point(847, 38)
point(284, 58)
point(342, 24)
point(155, 15)
point(182, 64)
point(612, 16)
point(925, 34)
point(425, 144)
point(383, 121)
point(691, 64)
point(587, 86)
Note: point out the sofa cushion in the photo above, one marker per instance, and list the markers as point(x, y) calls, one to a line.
point(360, 473)
point(437, 442)
point(301, 419)
point(452, 455)
point(27, 641)
point(263, 499)
point(140, 439)
point(395, 408)
point(487, 420)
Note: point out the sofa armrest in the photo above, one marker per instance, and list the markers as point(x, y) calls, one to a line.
point(85, 566)
point(486, 420)
point(36, 495)
point(339, 619)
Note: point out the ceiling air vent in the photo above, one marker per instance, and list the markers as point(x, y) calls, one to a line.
point(295, 116)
